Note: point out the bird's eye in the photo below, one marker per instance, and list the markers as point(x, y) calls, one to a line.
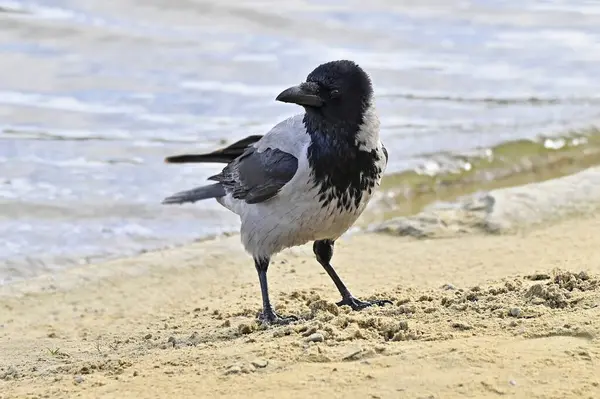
point(334, 93)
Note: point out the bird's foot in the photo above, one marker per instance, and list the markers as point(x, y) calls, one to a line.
point(269, 317)
point(357, 304)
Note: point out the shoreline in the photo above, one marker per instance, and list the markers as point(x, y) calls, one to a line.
point(410, 192)
point(474, 314)
point(498, 211)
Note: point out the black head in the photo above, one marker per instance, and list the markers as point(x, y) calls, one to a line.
point(339, 91)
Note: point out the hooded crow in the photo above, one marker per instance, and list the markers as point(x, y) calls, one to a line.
point(308, 179)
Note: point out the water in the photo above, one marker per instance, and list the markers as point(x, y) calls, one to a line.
point(94, 94)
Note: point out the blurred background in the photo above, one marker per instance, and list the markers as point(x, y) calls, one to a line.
point(94, 94)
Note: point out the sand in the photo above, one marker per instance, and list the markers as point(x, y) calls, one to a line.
point(473, 316)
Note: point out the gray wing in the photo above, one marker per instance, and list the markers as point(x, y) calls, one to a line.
point(257, 176)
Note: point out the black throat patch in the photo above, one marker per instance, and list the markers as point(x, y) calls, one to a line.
point(340, 170)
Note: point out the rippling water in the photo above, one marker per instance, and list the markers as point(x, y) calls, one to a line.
point(94, 94)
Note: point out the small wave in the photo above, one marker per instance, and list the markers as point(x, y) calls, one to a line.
point(589, 8)
point(143, 138)
point(255, 57)
point(12, 7)
point(32, 9)
point(63, 103)
point(525, 100)
point(78, 162)
point(232, 88)
point(35, 133)
point(119, 23)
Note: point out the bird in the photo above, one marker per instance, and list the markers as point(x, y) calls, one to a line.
point(308, 179)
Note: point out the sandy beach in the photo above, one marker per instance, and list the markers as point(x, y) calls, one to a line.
point(483, 234)
point(477, 316)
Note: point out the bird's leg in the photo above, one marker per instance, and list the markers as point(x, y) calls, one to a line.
point(323, 250)
point(268, 315)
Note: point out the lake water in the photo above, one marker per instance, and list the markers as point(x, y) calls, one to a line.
point(94, 94)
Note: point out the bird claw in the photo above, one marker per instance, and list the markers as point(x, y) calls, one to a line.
point(357, 304)
point(272, 318)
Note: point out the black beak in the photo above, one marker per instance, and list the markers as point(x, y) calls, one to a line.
point(305, 94)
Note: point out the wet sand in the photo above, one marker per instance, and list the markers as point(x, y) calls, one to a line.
point(513, 315)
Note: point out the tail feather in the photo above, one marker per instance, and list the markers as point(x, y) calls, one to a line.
point(198, 158)
point(196, 194)
point(223, 155)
